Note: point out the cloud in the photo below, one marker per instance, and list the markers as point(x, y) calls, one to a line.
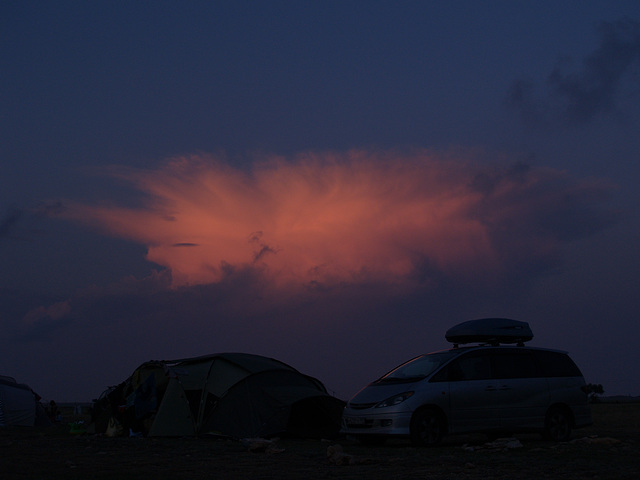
point(9, 221)
point(322, 220)
point(296, 257)
point(41, 323)
point(15, 224)
point(54, 312)
point(580, 97)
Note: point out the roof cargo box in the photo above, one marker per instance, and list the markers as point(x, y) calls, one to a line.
point(490, 330)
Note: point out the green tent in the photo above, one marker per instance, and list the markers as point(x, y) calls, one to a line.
point(232, 394)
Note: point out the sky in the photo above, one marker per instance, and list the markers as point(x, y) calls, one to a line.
point(330, 183)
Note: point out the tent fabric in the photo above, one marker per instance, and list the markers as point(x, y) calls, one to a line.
point(18, 403)
point(232, 394)
point(261, 404)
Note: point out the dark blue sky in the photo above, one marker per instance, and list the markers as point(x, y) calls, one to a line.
point(527, 113)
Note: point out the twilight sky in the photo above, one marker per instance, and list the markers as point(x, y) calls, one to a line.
point(330, 183)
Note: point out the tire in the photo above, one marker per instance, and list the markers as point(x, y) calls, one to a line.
point(428, 427)
point(557, 426)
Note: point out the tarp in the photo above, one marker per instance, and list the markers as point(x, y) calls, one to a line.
point(233, 394)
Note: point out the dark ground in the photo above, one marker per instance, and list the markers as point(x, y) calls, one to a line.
point(610, 449)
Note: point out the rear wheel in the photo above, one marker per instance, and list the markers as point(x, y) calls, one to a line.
point(558, 424)
point(428, 427)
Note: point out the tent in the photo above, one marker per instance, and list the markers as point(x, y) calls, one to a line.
point(18, 403)
point(232, 394)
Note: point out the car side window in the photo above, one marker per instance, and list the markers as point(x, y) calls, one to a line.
point(472, 366)
point(513, 364)
point(443, 375)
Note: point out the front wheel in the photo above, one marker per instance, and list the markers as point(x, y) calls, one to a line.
point(427, 428)
point(558, 425)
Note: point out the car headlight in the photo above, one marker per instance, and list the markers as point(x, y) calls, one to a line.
point(395, 400)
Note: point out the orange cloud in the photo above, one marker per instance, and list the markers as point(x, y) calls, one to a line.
point(53, 312)
point(331, 218)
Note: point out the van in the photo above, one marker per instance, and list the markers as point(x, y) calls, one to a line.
point(490, 388)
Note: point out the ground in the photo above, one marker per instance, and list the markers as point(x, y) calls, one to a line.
point(610, 449)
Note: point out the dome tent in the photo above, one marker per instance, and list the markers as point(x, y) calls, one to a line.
point(233, 394)
point(19, 405)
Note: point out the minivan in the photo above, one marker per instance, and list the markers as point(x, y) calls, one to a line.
point(491, 388)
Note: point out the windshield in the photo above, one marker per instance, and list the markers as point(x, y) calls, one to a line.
point(417, 369)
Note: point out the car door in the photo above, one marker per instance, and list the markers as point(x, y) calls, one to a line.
point(523, 395)
point(472, 393)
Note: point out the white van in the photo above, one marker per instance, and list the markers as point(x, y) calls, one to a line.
point(489, 388)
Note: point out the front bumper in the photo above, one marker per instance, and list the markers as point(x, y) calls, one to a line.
point(369, 423)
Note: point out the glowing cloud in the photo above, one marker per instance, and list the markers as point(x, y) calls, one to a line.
point(53, 312)
point(323, 219)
